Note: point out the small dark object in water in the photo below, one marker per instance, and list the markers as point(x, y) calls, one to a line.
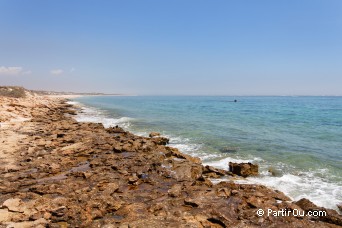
point(235, 100)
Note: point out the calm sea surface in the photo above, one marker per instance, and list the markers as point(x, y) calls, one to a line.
point(298, 138)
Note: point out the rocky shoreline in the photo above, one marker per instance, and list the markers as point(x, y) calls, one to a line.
point(57, 172)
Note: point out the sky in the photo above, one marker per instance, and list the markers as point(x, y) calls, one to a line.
point(178, 47)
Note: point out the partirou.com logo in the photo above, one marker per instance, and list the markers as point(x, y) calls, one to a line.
point(288, 212)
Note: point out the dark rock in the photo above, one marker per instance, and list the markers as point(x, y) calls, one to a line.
point(60, 135)
point(115, 129)
point(306, 204)
point(60, 211)
point(339, 206)
point(209, 169)
point(160, 140)
point(243, 169)
point(327, 215)
point(71, 112)
point(191, 202)
point(154, 134)
point(234, 192)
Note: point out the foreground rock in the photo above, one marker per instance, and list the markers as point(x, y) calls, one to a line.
point(154, 134)
point(73, 174)
point(339, 206)
point(244, 169)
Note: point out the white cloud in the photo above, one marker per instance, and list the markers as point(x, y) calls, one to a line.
point(10, 70)
point(27, 72)
point(57, 71)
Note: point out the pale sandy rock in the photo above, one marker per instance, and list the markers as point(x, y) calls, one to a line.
point(13, 205)
point(39, 223)
point(72, 147)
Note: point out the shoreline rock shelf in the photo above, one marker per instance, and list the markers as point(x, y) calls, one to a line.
point(72, 174)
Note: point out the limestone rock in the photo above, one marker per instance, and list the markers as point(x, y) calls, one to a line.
point(175, 191)
point(243, 169)
point(13, 204)
point(339, 206)
point(306, 204)
point(154, 134)
point(160, 140)
point(115, 129)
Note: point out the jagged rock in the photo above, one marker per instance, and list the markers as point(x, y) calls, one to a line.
point(115, 129)
point(328, 215)
point(13, 205)
point(209, 169)
point(243, 169)
point(187, 171)
point(160, 140)
point(174, 152)
point(175, 191)
point(234, 192)
point(223, 192)
point(254, 202)
point(154, 134)
point(71, 112)
point(134, 178)
point(191, 202)
point(59, 211)
point(339, 206)
point(306, 204)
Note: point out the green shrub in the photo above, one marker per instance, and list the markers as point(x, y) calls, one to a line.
point(12, 91)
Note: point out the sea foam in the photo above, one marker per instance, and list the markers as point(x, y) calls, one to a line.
point(90, 114)
point(298, 185)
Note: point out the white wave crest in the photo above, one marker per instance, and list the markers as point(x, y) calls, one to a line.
point(90, 114)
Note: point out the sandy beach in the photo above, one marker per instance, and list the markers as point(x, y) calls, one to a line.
point(57, 172)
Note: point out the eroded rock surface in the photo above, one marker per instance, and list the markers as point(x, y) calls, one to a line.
point(244, 169)
point(73, 174)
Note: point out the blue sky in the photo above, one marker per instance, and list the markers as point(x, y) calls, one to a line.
point(179, 47)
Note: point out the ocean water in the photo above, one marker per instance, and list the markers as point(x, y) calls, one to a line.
point(298, 139)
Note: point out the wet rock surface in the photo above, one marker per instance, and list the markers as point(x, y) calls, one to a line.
point(72, 174)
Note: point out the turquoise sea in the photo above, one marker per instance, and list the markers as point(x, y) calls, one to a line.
point(299, 139)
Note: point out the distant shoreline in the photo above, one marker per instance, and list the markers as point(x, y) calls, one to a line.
point(71, 96)
point(41, 92)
